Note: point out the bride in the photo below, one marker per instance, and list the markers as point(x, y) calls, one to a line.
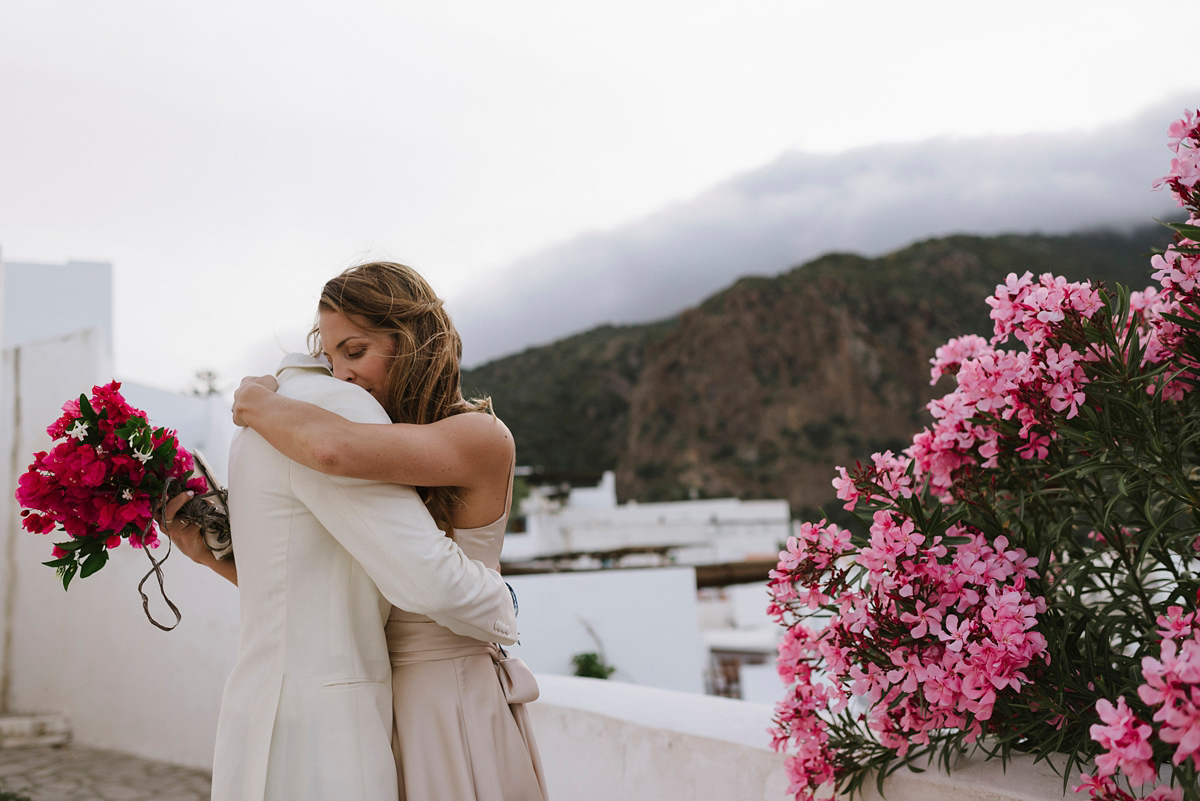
point(460, 727)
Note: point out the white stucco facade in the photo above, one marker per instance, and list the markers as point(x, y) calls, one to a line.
point(698, 532)
point(646, 620)
point(45, 301)
point(89, 653)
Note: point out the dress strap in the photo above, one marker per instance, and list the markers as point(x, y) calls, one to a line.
point(512, 471)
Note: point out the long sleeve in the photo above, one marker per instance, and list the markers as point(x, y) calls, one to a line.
point(388, 530)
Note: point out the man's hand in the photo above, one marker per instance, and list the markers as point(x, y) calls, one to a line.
point(251, 389)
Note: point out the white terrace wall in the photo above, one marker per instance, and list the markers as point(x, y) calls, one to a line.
point(603, 740)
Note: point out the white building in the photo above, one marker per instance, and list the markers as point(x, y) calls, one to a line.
point(644, 623)
point(587, 529)
point(592, 525)
point(89, 653)
point(47, 303)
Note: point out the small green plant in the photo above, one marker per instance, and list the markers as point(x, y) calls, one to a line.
point(589, 665)
point(592, 664)
point(7, 796)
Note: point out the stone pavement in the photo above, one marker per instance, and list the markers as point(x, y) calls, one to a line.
point(75, 773)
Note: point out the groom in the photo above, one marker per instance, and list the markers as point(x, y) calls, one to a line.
point(307, 712)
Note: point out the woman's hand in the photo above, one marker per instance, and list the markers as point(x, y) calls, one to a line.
point(186, 537)
point(248, 392)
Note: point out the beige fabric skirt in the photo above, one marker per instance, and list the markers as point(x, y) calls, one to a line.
point(455, 735)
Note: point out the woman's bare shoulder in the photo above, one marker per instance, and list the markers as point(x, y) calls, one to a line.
point(483, 432)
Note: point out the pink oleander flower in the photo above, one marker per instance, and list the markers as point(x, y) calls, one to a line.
point(1176, 271)
point(1033, 387)
point(891, 474)
point(1185, 172)
point(798, 723)
point(1165, 793)
point(1173, 686)
point(949, 357)
point(847, 489)
point(1127, 741)
point(1176, 625)
point(1103, 788)
point(1031, 310)
point(970, 620)
point(1186, 127)
point(928, 619)
point(795, 650)
point(1184, 139)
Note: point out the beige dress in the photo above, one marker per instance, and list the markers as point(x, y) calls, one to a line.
point(461, 730)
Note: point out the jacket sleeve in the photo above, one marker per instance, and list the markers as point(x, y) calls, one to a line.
point(388, 530)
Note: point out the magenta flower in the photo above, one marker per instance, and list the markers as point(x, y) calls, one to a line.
point(101, 480)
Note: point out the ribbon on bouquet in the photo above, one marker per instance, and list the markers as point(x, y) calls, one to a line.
point(156, 571)
point(197, 510)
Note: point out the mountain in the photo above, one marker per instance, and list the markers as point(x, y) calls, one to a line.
point(871, 200)
point(764, 387)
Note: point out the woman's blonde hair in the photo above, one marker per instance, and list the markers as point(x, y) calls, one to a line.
point(423, 384)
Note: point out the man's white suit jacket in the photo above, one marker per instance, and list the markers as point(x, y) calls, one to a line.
point(307, 711)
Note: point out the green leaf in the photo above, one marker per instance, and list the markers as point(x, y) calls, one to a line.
point(165, 451)
point(68, 573)
point(1190, 231)
point(93, 563)
point(70, 545)
point(63, 561)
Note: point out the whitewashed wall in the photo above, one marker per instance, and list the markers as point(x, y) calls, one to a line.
point(603, 740)
point(89, 653)
point(37, 378)
point(647, 620)
point(44, 301)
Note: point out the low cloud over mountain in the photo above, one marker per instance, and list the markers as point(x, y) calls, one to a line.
point(870, 201)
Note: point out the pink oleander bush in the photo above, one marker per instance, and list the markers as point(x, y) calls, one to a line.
point(1026, 575)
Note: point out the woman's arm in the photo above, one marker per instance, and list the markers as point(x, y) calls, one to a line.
point(187, 539)
point(454, 452)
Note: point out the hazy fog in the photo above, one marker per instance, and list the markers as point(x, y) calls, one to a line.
point(869, 201)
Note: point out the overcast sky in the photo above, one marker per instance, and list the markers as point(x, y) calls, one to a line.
point(549, 166)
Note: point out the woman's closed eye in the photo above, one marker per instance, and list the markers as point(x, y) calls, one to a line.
point(347, 354)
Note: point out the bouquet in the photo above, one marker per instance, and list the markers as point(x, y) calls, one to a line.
point(107, 476)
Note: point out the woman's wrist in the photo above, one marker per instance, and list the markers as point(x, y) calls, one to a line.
point(225, 568)
point(248, 403)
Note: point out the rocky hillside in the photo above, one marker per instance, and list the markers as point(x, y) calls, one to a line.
point(767, 385)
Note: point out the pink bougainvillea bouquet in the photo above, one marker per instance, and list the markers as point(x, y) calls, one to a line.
point(107, 475)
point(1025, 575)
